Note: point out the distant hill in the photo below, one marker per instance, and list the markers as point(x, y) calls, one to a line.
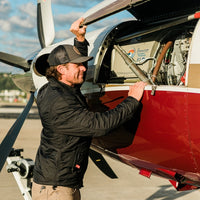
point(6, 82)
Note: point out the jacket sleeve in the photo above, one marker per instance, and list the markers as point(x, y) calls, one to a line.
point(81, 46)
point(76, 120)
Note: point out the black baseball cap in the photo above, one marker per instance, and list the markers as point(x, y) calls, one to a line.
point(63, 54)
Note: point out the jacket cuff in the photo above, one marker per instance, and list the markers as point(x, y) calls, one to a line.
point(134, 99)
point(76, 42)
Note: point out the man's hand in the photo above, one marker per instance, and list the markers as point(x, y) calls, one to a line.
point(137, 90)
point(79, 30)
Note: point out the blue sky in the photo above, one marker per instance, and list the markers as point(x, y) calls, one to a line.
point(18, 33)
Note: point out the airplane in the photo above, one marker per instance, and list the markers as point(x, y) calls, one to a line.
point(159, 46)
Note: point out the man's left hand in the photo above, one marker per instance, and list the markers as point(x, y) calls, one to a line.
point(79, 30)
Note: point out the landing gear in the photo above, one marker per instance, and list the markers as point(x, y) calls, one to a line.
point(22, 170)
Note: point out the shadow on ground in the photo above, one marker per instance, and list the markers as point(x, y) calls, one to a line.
point(166, 192)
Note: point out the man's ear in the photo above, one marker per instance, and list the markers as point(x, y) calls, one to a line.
point(60, 69)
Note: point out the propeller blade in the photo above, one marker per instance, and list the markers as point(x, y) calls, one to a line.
point(15, 61)
point(101, 163)
point(107, 8)
point(9, 140)
point(45, 23)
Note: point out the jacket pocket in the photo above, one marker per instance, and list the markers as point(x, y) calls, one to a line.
point(67, 159)
point(81, 159)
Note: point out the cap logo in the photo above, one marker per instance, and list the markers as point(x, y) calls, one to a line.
point(76, 50)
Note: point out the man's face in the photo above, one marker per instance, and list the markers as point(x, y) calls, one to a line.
point(73, 74)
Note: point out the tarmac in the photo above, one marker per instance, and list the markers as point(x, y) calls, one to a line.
point(129, 185)
point(12, 111)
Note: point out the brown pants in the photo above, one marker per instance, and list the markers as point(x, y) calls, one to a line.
point(47, 192)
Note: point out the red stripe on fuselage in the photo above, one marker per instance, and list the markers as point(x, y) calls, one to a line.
point(168, 131)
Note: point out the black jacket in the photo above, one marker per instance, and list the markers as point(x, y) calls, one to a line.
point(68, 128)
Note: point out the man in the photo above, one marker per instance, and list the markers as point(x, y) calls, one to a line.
point(68, 125)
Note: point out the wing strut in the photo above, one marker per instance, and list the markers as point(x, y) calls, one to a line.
point(9, 140)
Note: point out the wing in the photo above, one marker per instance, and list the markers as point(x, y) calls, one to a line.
point(107, 8)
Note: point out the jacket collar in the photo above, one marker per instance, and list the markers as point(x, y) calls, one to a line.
point(73, 90)
point(58, 84)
